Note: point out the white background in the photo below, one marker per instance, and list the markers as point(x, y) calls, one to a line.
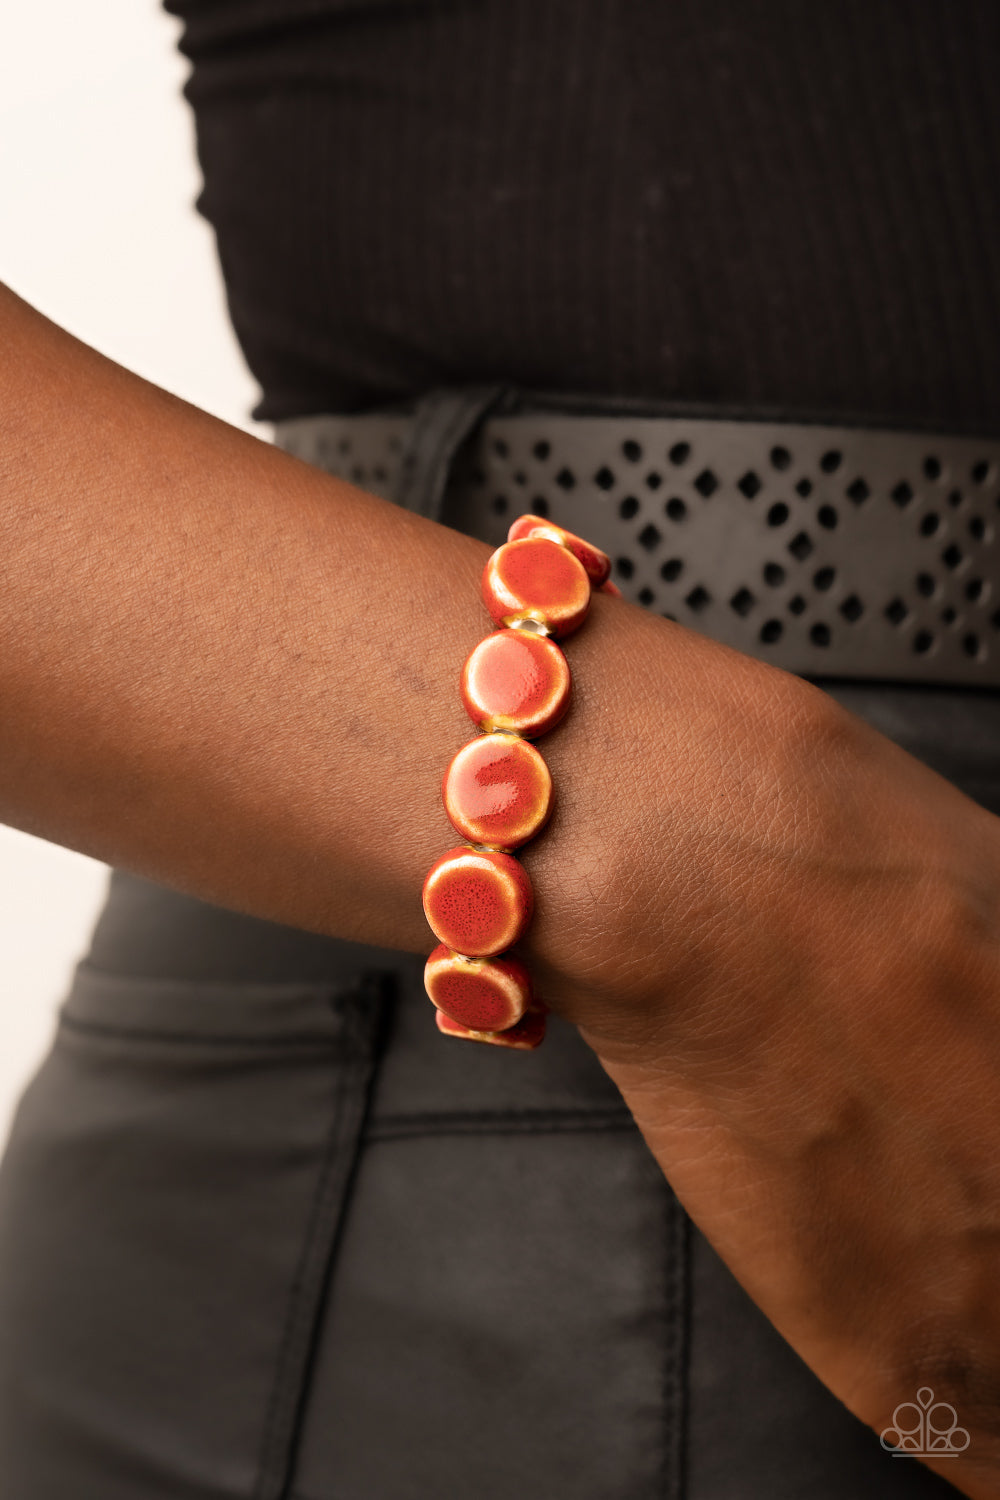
point(97, 229)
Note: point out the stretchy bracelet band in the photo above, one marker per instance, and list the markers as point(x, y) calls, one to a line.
point(497, 790)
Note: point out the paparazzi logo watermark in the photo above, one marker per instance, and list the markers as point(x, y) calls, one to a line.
point(925, 1428)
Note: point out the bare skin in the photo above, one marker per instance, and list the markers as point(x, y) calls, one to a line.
point(779, 932)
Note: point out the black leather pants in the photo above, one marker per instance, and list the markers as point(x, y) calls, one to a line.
point(264, 1233)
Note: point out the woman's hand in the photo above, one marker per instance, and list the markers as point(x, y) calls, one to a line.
point(781, 934)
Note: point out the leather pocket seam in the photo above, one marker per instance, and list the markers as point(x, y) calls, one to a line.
point(199, 1038)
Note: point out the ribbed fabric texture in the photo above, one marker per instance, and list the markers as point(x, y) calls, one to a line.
point(745, 202)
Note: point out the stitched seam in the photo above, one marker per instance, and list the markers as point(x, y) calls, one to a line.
point(667, 1315)
point(503, 1127)
point(330, 986)
point(326, 1217)
point(684, 1353)
point(528, 1114)
point(675, 1316)
point(276, 1400)
point(209, 1038)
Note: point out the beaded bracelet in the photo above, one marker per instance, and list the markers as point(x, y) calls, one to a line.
point(497, 790)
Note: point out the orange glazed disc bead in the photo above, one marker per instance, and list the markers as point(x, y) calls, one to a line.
point(498, 791)
point(480, 995)
point(516, 680)
point(596, 562)
point(524, 1036)
point(477, 902)
point(538, 580)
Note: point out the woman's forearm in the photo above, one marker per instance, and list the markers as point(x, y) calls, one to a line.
point(218, 666)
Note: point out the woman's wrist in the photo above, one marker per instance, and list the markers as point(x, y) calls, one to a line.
point(675, 750)
point(780, 933)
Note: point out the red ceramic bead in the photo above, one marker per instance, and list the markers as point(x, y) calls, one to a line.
point(498, 791)
point(480, 995)
point(477, 902)
point(516, 680)
point(524, 1036)
point(537, 580)
point(596, 562)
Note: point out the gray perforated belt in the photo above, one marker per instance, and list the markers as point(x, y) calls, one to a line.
point(842, 551)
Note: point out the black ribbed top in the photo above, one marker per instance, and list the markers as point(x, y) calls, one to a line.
point(760, 202)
